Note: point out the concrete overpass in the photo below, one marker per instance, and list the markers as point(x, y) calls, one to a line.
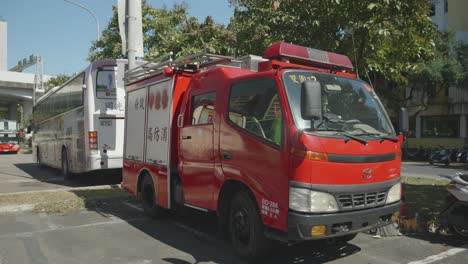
point(16, 88)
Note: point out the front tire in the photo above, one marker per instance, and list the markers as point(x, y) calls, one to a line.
point(246, 229)
point(148, 196)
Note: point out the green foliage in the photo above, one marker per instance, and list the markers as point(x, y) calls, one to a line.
point(383, 36)
point(166, 30)
point(56, 81)
point(446, 67)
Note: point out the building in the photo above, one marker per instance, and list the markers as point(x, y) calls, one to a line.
point(444, 121)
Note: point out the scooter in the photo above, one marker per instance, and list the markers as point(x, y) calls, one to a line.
point(441, 156)
point(455, 215)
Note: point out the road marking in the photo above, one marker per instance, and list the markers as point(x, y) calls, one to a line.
point(16, 208)
point(51, 225)
point(195, 231)
point(133, 206)
point(441, 256)
point(114, 220)
point(180, 225)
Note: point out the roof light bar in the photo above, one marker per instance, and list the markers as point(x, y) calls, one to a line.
point(308, 56)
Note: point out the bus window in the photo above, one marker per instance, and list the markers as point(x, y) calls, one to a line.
point(105, 84)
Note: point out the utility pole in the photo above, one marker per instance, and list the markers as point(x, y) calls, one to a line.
point(131, 30)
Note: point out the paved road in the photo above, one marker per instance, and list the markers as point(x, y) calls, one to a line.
point(122, 234)
point(425, 170)
point(19, 173)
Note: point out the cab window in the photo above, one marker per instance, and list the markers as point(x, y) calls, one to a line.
point(202, 110)
point(254, 106)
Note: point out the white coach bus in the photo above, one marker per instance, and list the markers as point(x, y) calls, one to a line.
point(78, 127)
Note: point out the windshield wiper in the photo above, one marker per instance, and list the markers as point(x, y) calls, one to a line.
point(346, 134)
point(379, 136)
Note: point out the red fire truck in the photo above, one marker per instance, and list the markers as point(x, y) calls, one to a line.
point(290, 146)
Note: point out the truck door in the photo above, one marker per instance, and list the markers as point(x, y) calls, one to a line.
point(196, 150)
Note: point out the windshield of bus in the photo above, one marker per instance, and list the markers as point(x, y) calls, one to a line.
point(9, 139)
point(348, 105)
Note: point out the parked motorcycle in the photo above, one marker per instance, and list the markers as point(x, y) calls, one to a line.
point(462, 155)
point(441, 156)
point(455, 215)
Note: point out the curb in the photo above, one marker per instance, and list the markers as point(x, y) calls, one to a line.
point(30, 207)
point(99, 187)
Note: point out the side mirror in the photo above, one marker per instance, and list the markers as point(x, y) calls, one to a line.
point(404, 123)
point(311, 100)
point(83, 86)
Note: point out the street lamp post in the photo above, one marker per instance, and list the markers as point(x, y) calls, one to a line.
point(90, 12)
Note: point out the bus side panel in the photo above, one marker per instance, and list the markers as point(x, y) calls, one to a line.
point(74, 139)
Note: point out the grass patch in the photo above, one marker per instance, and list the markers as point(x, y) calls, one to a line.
point(427, 197)
point(65, 201)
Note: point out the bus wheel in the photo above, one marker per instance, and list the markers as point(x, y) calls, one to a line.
point(148, 196)
point(65, 168)
point(246, 228)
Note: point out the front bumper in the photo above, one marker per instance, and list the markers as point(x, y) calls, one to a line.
point(339, 224)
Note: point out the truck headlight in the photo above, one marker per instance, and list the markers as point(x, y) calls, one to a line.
point(394, 194)
point(308, 201)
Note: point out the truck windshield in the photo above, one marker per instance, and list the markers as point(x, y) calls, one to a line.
point(8, 139)
point(348, 105)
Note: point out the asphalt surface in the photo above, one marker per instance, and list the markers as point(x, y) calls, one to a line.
point(122, 234)
point(19, 173)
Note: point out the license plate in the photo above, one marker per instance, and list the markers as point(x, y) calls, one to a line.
point(106, 123)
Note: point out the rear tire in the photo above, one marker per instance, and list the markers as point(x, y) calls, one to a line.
point(246, 229)
point(148, 197)
point(65, 165)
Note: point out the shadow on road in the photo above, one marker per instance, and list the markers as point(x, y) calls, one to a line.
point(196, 234)
point(52, 176)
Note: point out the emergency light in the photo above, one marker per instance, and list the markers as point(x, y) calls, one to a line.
point(308, 56)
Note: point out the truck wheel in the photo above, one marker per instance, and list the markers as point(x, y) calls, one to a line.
point(148, 196)
point(246, 228)
point(65, 165)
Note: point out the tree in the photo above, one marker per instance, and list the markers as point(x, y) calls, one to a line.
point(447, 67)
point(56, 81)
point(166, 30)
point(382, 36)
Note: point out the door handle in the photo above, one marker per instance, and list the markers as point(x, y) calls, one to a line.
point(186, 137)
point(226, 155)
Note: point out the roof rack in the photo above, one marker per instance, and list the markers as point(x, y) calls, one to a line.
point(201, 60)
point(149, 69)
point(190, 63)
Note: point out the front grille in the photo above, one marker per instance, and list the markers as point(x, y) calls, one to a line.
point(361, 200)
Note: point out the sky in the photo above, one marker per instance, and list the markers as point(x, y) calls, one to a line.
point(62, 33)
